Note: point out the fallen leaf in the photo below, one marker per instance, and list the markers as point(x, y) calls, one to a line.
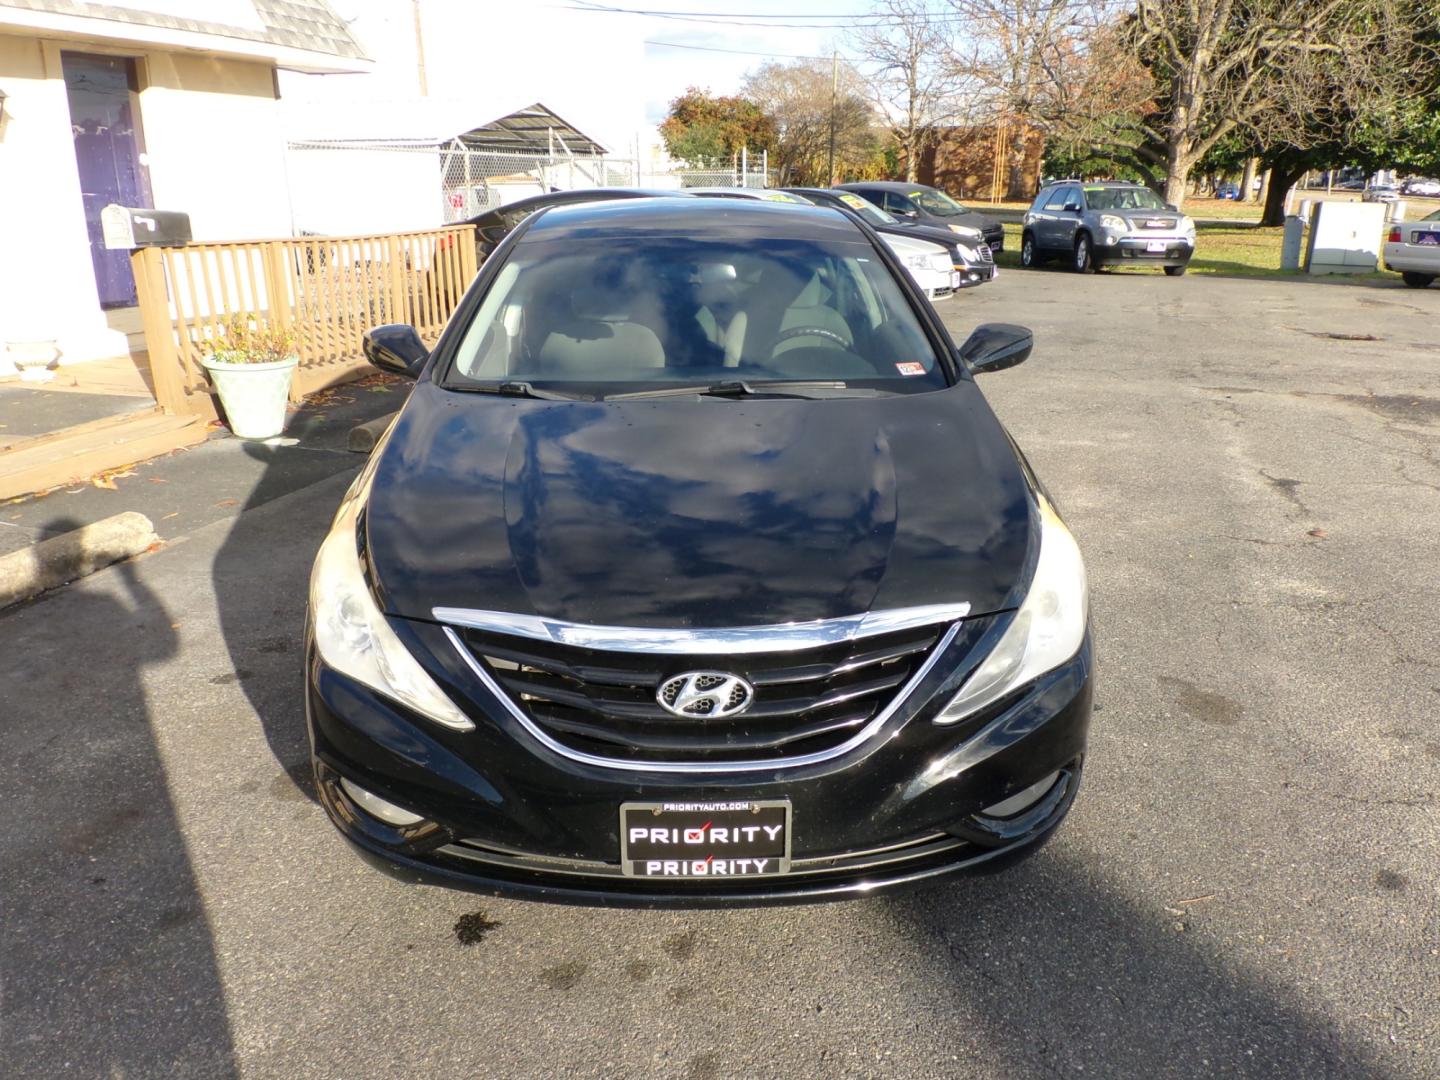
point(157, 480)
point(1320, 533)
point(227, 502)
point(104, 482)
point(173, 513)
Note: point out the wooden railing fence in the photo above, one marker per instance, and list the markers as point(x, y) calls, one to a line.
point(328, 290)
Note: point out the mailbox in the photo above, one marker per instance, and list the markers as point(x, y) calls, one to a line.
point(128, 227)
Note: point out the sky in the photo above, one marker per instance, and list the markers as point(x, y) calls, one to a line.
point(609, 72)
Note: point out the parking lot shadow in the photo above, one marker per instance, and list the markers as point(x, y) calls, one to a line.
point(107, 966)
point(1124, 987)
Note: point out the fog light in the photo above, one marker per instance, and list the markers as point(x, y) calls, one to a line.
point(1022, 800)
point(380, 808)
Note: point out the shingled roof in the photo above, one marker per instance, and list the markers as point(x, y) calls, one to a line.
point(293, 27)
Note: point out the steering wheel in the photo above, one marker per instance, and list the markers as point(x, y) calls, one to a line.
point(814, 331)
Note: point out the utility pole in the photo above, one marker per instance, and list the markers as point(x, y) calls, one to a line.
point(420, 52)
point(834, 93)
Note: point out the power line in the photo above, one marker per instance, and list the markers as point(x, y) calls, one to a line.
point(744, 52)
point(858, 22)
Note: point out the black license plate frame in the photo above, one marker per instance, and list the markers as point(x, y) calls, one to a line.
point(733, 856)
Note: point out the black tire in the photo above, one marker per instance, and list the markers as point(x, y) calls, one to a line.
point(1030, 256)
point(1174, 271)
point(1084, 255)
point(1417, 281)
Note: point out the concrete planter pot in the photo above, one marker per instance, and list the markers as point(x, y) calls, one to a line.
point(253, 395)
point(33, 358)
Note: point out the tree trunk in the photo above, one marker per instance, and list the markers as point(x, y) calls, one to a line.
point(1247, 182)
point(1175, 182)
point(1282, 179)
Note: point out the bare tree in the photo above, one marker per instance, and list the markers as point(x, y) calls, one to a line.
point(1261, 67)
point(802, 99)
point(1044, 69)
point(915, 80)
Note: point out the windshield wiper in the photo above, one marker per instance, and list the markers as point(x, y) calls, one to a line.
point(520, 389)
point(737, 388)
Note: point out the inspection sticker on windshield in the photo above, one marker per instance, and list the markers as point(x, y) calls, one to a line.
point(910, 368)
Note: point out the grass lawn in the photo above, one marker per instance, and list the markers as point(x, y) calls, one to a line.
point(1229, 250)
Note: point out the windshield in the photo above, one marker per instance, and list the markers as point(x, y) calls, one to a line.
point(1432, 217)
point(867, 210)
point(937, 203)
point(1122, 198)
point(628, 311)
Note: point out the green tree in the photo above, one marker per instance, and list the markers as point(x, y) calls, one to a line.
point(705, 131)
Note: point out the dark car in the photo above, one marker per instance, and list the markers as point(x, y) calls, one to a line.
point(492, 226)
point(916, 204)
point(696, 569)
point(969, 252)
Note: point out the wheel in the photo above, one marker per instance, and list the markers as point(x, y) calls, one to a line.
point(1174, 271)
point(1030, 256)
point(1417, 281)
point(1084, 260)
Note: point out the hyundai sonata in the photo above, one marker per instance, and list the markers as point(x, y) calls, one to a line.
point(696, 569)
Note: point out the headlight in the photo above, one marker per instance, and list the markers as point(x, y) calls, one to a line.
point(966, 231)
point(353, 636)
point(967, 253)
point(1187, 226)
point(1113, 221)
point(1047, 630)
point(921, 262)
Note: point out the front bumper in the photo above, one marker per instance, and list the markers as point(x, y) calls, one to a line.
point(1136, 249)
point(968, 275)
point(504, 815)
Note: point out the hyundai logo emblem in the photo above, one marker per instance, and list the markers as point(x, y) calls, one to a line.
point(705, 694)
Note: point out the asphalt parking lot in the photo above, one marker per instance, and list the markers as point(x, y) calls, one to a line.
point(1249, 884)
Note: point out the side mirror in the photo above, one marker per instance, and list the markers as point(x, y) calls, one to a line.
point(396, 348)
point(996, 346)
point(1171, 207)
point(1072, 208)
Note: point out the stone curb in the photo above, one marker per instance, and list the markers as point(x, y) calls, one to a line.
point(73, 555)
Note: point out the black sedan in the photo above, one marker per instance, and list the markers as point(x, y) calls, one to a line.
point(696, 570)
point(917, 204)
point(969, 252)
point(492, 226)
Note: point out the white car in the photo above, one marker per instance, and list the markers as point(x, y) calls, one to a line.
point(928, 264)
point(1413, 248)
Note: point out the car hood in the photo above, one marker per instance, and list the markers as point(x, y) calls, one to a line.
point(681, 512)
point(970, 219)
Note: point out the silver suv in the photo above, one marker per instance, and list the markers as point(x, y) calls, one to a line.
point(1094, 224)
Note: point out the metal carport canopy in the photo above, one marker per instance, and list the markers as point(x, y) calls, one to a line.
point(534, 129)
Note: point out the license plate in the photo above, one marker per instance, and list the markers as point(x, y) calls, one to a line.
point(1431, 239)
point(709, 839)
point(1156, 245)
point(955, 278)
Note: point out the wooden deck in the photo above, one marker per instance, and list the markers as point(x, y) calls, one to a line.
point(75, 454)
point(125, 376)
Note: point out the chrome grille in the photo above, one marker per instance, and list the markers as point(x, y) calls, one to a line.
point(986, 255)
point(603, 702)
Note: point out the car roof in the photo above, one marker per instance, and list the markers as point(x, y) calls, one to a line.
point(714, 218)
point(756, 194)
point(886, 185)
point(574, 195)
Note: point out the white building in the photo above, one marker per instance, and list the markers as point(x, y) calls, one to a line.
point(155, 103)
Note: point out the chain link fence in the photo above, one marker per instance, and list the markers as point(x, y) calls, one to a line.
point(340, 188)
point(355, 187)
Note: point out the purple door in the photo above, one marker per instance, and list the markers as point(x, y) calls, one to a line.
point(105, 118)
